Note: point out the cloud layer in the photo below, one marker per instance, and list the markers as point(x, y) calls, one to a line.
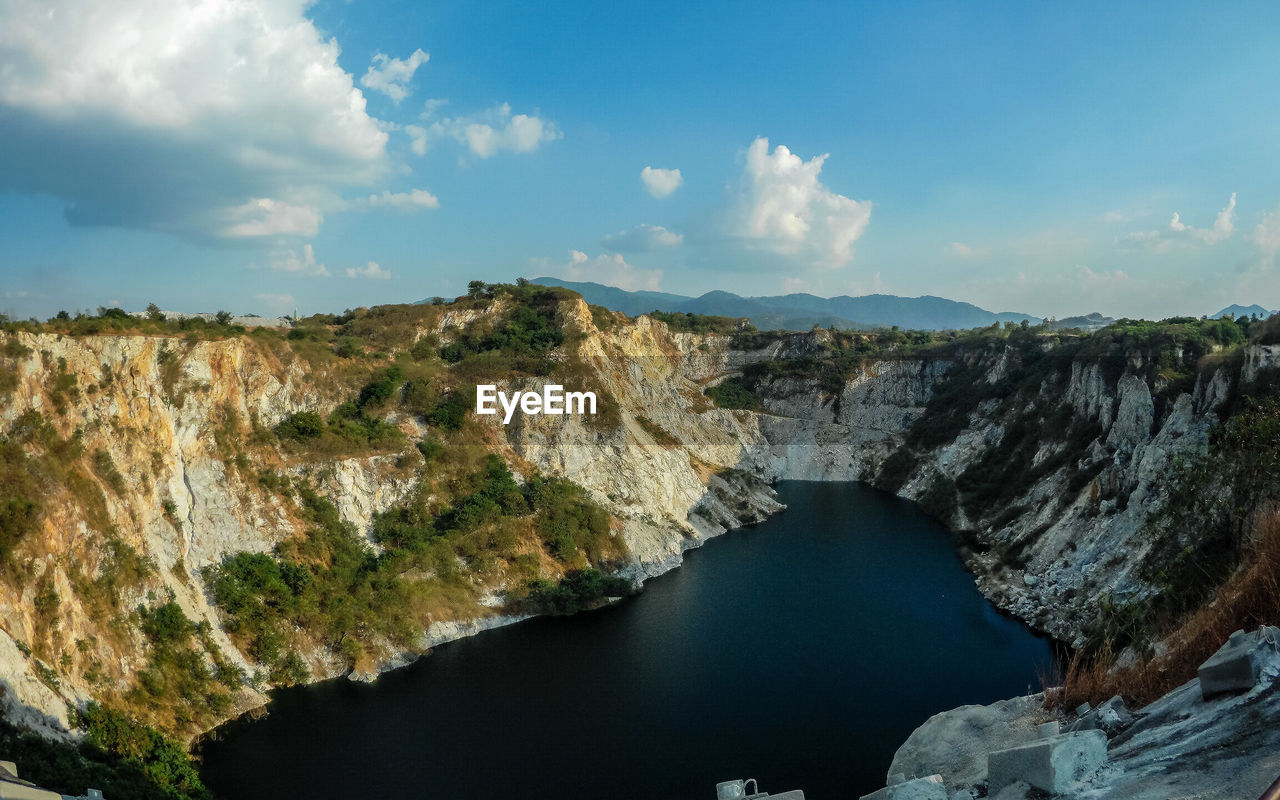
point(151, 114)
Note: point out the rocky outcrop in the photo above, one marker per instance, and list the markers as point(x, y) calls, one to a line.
point(1225, 747)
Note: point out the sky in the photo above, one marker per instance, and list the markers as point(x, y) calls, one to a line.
point(264, 156)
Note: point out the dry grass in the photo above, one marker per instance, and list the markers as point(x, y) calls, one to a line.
point(1249, 598)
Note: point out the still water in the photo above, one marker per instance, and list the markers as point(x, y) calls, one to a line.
point(800, 652)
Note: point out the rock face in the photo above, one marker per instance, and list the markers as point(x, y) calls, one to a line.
point(671, 468)
point(1181, 746)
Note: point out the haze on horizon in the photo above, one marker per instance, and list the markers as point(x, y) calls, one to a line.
point(262, 155)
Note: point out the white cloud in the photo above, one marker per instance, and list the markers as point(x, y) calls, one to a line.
point(412, 200)
point(661, 182)
point(266, 217)
point(275, 301)
point(291, 262)
point(960, 249)
point(487, 133)
point(785, 208)
point(642, 238)
point(1223, 226)
point(370, 270)
point(15, 295)
point(1266, 235)
point(391, 76)
point(87, 89)
point(418, 138)
point(611, 270)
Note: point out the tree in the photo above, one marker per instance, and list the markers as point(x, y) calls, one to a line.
point(222, 318)
point(522, 282)
point(154, 313)
point(475, 289)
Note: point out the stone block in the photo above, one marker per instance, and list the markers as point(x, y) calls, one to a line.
point(1047, 729)
point(1050, 765)
point(1234, 668)
point(930, 788)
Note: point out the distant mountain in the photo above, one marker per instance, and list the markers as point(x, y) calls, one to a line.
point(801, 311)
point(1088, 322)
point(1254, 310)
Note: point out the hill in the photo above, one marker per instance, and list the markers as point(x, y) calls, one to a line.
point(1236, 311)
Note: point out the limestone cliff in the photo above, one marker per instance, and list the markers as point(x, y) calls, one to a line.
point(175, 454)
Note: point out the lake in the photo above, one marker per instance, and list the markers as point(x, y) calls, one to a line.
point(801, 652)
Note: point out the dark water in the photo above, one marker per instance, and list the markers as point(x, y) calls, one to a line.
point(801, 652)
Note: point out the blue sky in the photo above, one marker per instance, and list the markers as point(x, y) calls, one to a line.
point(262, 155)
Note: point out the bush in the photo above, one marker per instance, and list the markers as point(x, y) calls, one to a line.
point(379, 390)
point(734, 393)
point(450, 413)
point(126, 760)
point(302, 425)
point(579, 590)
point(166, 625)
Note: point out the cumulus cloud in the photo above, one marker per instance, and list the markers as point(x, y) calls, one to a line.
point(661, 182)
point(150, 114)
point(782, 206)
point(609, 269)
point(1224, 224)
point(391, 76)
point(370, 270)
point(290, 261)
point(960, 249)
point(487, 133)
point(412, 200)
point(642, 238)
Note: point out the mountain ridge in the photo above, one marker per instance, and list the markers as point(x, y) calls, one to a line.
point(800, 311)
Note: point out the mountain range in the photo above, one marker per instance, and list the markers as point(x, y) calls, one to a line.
point(800, 311)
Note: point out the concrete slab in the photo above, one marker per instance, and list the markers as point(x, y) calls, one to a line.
point(1051, 765)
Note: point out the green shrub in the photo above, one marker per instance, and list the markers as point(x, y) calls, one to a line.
point(579, 590)
point(734, 393)
point(302, 425)
point(126, 760)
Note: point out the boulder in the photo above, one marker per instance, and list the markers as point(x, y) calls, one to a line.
point(955, 743)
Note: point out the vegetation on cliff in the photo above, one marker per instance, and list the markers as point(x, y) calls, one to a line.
point(123, 758)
